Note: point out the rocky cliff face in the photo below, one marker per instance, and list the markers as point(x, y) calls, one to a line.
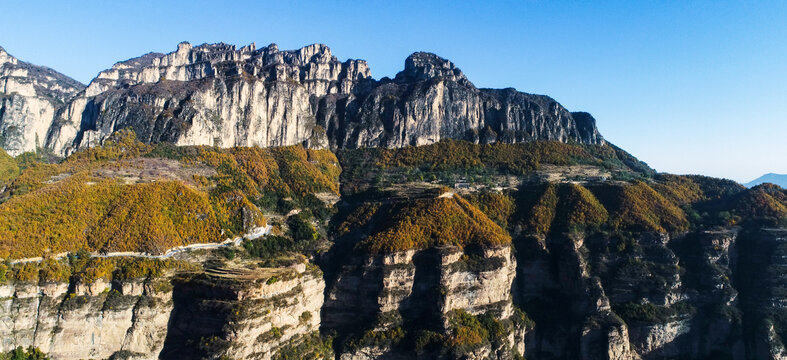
point(30, 96)
point(243, 315)
point(704, 294)
point(210, 95)
point(86, 321)
point(431, 99)
point(239, 314)
point(420, 289)
point(543, 250)
point(217, 94)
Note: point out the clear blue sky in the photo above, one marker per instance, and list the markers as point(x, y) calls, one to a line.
point(687, 86)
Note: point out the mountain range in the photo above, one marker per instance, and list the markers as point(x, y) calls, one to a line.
point(217, 94)
point(778, 179)
point(219, 202)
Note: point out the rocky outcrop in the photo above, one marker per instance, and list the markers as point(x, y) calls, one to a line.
point(87, 322)
point(241, 314)
point(217, 94)
point(30, 96)
point(238, 314)
point(762, 282)
point(420, 283)
point(209, 95)
point(431, 99)
point(704, 294)
point(420, 289)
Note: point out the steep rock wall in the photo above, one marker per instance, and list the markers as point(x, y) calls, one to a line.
point(30, 95)
point(89, 322)
point(217, 94)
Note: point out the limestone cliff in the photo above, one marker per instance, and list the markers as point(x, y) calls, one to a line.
point(86, 321)
point(217, 94)
point(420, 291)
point(234, 313)
point(30, 96)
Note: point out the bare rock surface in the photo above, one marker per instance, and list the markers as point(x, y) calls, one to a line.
point(218, 94)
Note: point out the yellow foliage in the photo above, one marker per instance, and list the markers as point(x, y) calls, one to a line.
point(763, 203)
point(496, 206)
point(8, 168)
point(26, 272)
point(638, 207)
point(467, 332)
point(155, 217)
point(55, 271)
point(97, 268)
point(543, 213)
point(518, 158)
point(425, 223)
point(65, 207)
point(579, 208)
point(84, 213)
point(679, 189)
point(359, 217)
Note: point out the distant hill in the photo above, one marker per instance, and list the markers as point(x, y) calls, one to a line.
point(778, 179)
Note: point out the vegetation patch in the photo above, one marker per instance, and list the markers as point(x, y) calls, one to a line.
point(375, 338)
point(73, 205)
point(497, 206)
point(639, 207)
point(560, 208)
point(425, 223)
point(517, 158)
point(20, 353)
point(468, 332)
point(8, 168)
point(312, 346)
point(650, 313)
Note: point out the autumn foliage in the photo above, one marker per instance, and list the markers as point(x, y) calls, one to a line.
point(8, 168)
point(105, 216)
point(561, 208)
point(425, 223)
point(496, 205)
point(639, 207)
point(518, 158)
point(69, 206)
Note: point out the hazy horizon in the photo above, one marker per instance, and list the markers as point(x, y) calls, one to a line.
point(689, 88)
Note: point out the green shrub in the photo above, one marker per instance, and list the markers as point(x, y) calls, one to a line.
point(311, 346)
point(651, 313)
point(302, 230)
point(269, 247)
point(467, 332)
point(21, 353)
point(227, 252)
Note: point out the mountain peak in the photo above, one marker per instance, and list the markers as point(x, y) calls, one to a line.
point(5, 57)
point(286, 94)
point(421, 66)
point(773, 178)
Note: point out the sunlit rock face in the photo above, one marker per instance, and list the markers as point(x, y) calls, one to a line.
point(217, 94)
point(30, 95)
point(210, 95)
point(92, 321)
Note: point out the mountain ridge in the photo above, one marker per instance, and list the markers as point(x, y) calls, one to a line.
point(773, 178)
point(222, 95)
